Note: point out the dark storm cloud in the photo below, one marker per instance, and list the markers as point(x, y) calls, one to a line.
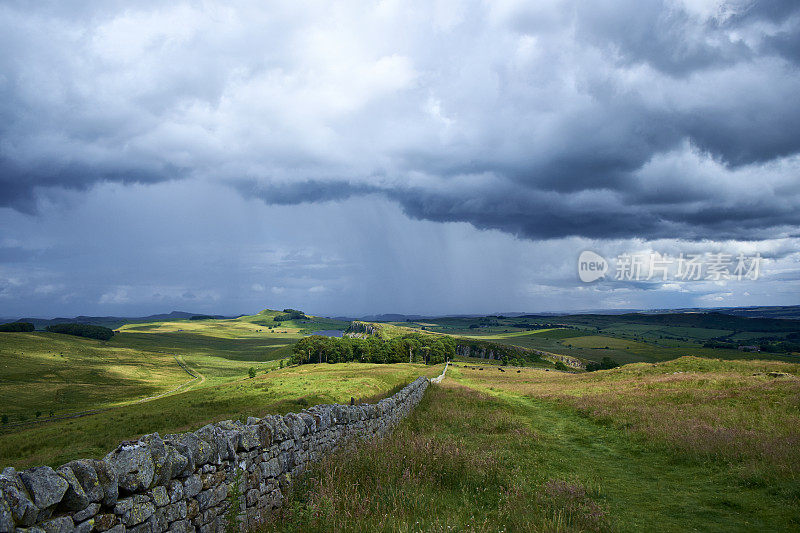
point(651, 32)
point(18, 181)
point(551, 215)
point(649, 119)
point(302, 191)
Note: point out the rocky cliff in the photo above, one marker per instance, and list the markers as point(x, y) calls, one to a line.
point(491, 350)
point(363, 329)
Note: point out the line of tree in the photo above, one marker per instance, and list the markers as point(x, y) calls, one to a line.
point(604, 364)
point(769, 346)
point(720, 344)
point(413, 347)
point(82, 330)
point(15, 327)
point(780, 347)
point(290, 314)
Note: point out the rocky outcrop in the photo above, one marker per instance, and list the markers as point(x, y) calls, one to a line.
point(570, 361)
point(183, 482)
point(491, 350)
point(362, 329)
point(482, 352)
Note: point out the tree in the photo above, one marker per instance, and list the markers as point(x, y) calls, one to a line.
point(251, 372)
point(605, 364)
point(82, 330)
point(411, 347)
point(4, 419)
point(290, 314)
point(17, 327)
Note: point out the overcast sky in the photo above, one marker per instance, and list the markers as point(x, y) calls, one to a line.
point(413, 157)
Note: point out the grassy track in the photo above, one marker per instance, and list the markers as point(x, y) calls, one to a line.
point(492, 451)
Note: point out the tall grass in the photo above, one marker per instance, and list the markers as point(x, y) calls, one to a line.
point(445, 469)
point(743, 413)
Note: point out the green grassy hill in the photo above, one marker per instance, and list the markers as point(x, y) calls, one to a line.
point(51, 373)
point(48, 376)
point(258, 325)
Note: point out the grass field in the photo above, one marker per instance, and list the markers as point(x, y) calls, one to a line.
point(496, 336)
point(620, 346)
point(544, 451)
point(633, 337)
point(259, 325)
point(47, 377)
point(669, 443)
point(58, 375)
point(48, 372)
point(747, 412)
point(278, 391)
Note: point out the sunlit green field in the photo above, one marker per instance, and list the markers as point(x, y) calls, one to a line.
point(258, 326)
point(47, 374)
point(523, 449)
point(47, 377)
point(57, 374)
point(278, 391)
point(490, 335)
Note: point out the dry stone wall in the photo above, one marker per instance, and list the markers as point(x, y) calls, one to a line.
point(185, 482)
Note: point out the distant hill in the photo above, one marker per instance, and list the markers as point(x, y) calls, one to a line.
point(696, 319)
point(112, 321)
point(385, 317)
point(779, 311)
point(791, 312)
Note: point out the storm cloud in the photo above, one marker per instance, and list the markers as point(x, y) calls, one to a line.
point(422, 157)
point(645, 119)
